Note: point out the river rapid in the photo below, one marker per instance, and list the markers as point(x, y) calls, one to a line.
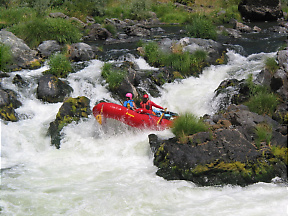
point(109, 170)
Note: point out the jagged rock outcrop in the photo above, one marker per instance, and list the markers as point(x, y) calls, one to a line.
point(260, 10)
point(51, 89)
point(72, 109)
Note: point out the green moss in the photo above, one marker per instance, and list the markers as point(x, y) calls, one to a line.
point(7, 113)
point(281, 153)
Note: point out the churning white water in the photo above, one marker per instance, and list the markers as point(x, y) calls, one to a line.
point(111, 171)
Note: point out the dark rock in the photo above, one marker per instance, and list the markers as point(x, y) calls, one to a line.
point(136, 30)
point(51, 89)
point(4, 98)
point(96, 32)
point(225, 158)
point(260, 10)
point(19, 81)
point(282, 57)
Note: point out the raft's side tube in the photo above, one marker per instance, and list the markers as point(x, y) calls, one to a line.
point(130, 117)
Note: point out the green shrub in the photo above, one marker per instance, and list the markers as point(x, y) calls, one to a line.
point(140, 9)
point(59, 65)
point(38, 30)
point(263, 103)
point(5, 57)
point(263, 134)
point(82, 9)
point(262, 100)
point(174, 18)
point(227, 15)
point(111, 28)
point(184, 62)
point(188, 124)
point(153, 54)
point(201, 27)
point(113, 76)
point(15, 15)
point(271, 65)
point(168, 13)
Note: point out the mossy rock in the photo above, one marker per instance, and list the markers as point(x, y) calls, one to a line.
point(72, 109)
point(228, 158)
point(8, 104)
point(7, 113)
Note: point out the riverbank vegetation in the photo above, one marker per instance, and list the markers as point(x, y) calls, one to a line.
point(30, 21)
point(262, 100)
point(185, 63)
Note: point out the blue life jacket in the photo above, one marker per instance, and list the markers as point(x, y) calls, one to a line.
point(130, 102)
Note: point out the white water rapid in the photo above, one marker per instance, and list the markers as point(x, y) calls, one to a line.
point(111, 172)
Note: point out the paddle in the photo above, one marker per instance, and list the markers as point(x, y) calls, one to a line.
point(161, 116)
point(99, 116)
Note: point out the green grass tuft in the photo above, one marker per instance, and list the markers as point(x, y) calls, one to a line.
point(113, 76)
point(188, 124)
point(38, 30)
point(201, 27)
point(59, 65)
point(5, 57)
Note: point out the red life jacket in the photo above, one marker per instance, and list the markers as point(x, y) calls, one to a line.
point(146, 105)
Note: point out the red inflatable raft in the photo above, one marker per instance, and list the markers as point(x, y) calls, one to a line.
point(129, 117)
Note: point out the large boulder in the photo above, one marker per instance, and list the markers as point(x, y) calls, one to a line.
point(51, 89)
point(260, 10)
point(22, 55)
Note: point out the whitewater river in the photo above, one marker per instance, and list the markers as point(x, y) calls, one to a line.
point(110, 171)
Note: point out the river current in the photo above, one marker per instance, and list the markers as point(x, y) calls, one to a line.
point(109, 170)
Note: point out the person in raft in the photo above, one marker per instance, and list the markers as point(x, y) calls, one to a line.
point(129, 103)
point(146, 106)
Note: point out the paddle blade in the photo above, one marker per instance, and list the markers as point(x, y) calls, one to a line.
point(99, 119)
point(161, 116)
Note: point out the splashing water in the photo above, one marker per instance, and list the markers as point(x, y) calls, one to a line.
point(110, 171)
